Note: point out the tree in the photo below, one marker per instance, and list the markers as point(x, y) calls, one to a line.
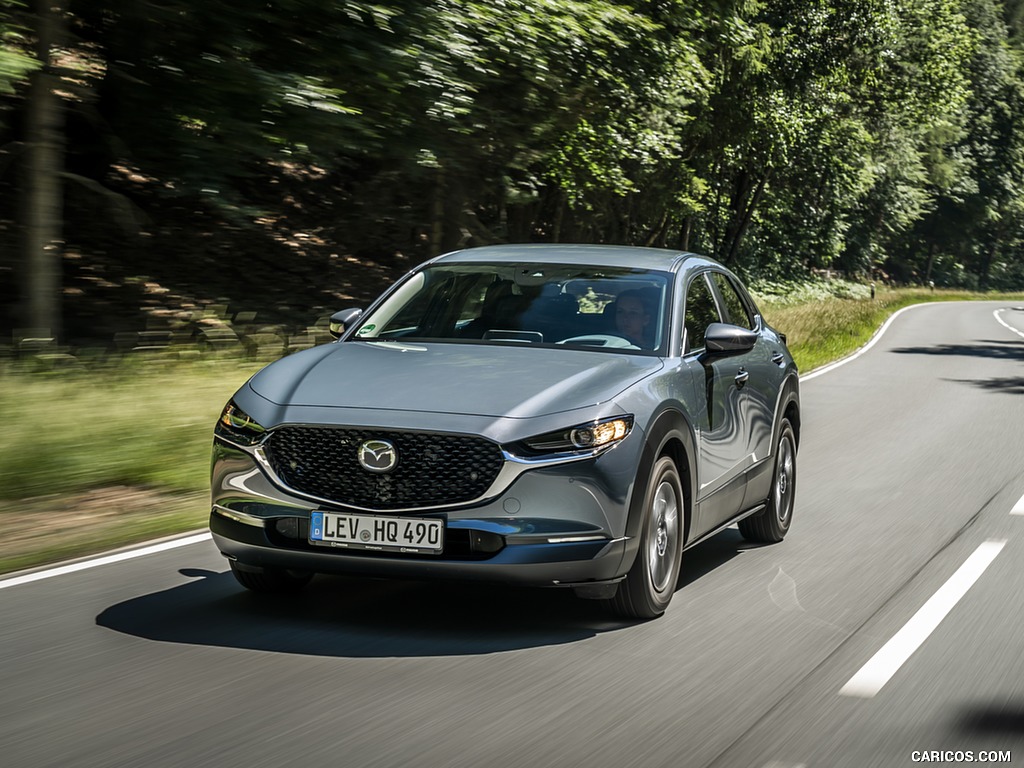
point(43, 200)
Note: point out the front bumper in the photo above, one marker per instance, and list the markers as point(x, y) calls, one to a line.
point(566, 564)
point(553, 526)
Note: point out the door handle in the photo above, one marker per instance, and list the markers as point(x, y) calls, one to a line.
point(741, 378)
point(778, 358)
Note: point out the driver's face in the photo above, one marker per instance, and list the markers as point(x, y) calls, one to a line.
point(631, 319)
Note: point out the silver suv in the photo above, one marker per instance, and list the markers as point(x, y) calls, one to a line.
point(547, 415)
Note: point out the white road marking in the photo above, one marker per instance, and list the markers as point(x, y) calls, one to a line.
point(874, 340)
point(1005, 324)
point(1018, 508)
point(152, 549)
point(884, 664)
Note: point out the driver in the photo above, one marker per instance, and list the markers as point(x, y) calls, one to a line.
point(632, 319)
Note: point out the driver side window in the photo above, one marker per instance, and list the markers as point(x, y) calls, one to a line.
point(701, 312)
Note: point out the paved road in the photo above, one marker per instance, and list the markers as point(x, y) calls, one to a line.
point(911, 462)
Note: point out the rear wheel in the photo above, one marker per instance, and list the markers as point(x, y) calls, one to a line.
point(648, 587)
point(772, 524)
point(270, 580)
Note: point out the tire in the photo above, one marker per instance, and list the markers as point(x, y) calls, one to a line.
point(270, 580)
point(772, 524)
point(648, 587)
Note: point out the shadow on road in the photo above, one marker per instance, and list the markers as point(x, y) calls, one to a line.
point(1001, 350)
point(992, 721)
point(998, 350)
point(370, 618)
point(1013, 385)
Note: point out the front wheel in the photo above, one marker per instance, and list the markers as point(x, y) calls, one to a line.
point(648, 587)
point(772, 524)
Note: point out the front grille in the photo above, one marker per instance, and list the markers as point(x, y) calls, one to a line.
point(433, 469)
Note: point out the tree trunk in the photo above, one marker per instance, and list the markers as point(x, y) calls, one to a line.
point(437, 213)
point(989, 258)
point(43, 198)
point(746, 217)
point(931, 262)
point(685, 233)
point(556, 233)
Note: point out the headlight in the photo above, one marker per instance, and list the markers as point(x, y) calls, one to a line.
point(236, 426)
point(594, 437)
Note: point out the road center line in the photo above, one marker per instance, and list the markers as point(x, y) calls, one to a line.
point(105, 560)
point(884, 664)
point(1018, 508)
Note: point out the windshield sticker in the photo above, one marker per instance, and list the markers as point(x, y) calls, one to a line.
point(365, 329)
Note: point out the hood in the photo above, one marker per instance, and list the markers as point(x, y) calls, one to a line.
point(469, 379)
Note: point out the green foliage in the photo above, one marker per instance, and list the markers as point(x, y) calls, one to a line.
point(869, 136)
point(16, 59)
point(783, 293)
point(15, 63)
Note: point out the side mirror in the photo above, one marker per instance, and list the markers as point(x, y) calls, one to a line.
point(722, 338)
point(342, 320)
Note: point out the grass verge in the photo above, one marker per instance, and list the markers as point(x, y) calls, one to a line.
point(99, 457)
point(824, 330)
point(104, 456)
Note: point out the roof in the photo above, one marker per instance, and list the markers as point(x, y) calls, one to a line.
point(599, 255)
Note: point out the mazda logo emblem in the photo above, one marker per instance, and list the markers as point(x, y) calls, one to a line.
point(377, 456)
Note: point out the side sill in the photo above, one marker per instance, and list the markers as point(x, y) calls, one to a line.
point(726, 524)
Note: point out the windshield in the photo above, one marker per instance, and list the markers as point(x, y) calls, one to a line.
point(609, 308)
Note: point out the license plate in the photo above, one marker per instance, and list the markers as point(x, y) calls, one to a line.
point(377, 532)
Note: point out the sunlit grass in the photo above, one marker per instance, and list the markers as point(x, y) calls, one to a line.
point(137, 423)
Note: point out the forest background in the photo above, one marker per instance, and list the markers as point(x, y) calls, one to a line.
point(279, 159)
point(189, 187)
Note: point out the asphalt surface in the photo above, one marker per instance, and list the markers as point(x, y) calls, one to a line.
point(910, 463)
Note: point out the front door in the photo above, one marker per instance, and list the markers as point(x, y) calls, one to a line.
point(722, 422)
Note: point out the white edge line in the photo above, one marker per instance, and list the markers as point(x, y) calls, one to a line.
point(883, 665)
point(1006, 325)
point(874, 340)
point(152, 549)
point(1018, 508)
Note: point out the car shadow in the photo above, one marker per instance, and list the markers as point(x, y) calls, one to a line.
point(712, 554)
point(341, 616)
point(360, 618)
